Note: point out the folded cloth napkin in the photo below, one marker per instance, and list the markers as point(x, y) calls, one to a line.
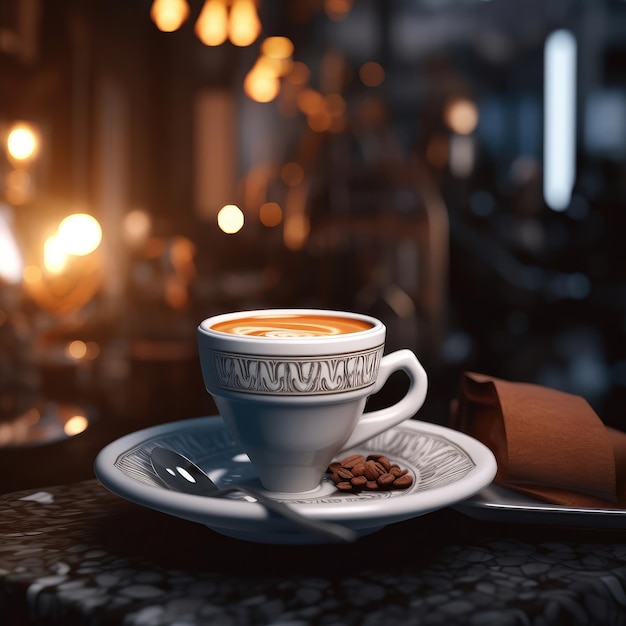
point(549, 444)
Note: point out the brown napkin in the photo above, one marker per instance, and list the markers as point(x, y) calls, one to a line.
point(548, 444)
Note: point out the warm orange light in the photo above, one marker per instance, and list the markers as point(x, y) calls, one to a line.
point(230, 219)
point(176, 294)
point(76, 350)
point(169, 15)
point(319, 122)
point(54, 256)
point(270, 214)
point(182, 255)
point(244, 26)
point(212, 24)
point(137, 224)
point(277, 47)
point(311, 102)
point(261, 83)
point(22, 142)
point(461, 116)
point(32, 274)
point(75, 425)
point(278, 67)
point(295, 232)
point(79, 350)
point(371, 74)
point(79, 234)
point(337, 10)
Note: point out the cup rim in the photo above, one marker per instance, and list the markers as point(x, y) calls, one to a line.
point(205, 326)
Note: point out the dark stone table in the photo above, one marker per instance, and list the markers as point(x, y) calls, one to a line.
point(76, 554)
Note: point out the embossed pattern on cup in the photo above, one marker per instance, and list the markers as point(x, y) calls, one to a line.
point(297, 375)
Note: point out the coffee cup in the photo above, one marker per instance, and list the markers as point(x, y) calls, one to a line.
point(291, 386)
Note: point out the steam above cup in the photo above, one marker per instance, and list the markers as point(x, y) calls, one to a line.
point(291, 386)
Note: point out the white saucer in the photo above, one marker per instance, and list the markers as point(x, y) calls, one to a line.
point(447, 466)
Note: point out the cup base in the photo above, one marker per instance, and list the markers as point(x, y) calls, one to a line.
point(290, 495)
point(287, 480)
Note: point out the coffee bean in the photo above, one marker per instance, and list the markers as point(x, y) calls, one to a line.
point(373, 470)
point(344, 473)
point(358, 481)
point(383, 461)
point(386, 480)
point(359, 469)
point(344, 486)
point(397, 471)
point(350, 461)
point(356, 473)
point(403, 482)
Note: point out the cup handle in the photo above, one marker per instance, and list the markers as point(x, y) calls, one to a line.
point(375, 422)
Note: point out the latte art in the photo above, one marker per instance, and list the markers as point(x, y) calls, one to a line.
point(270, 331)
point(292, 326)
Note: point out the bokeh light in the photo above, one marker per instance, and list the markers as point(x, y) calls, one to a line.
point(169, 15)
point(76, 349)
point(337, 10)
point(261, 83)
point(277, 47)
point(211, 27)
point(244, 25)
point(22, 142)
point(461, 116)
point(311, 102)
point(79, 234)
point(137, 226)
point(372, 74)
point(82, 350)
point(230, 219)
point(75, 425)
point(296, 231)
point(270, 214)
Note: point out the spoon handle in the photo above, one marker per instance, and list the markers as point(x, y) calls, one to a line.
point(336, 531)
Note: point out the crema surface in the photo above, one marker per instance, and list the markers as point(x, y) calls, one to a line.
point(276, 326)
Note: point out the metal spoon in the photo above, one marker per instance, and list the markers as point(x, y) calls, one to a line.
point(180, 474)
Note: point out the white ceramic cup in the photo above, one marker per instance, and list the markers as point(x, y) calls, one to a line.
point(295, 399)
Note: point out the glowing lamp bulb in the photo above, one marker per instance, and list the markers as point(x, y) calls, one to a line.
point(212, 23)
point(169, 15)
point(244, 26)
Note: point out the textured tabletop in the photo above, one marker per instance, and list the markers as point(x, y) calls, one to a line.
point(76, 554)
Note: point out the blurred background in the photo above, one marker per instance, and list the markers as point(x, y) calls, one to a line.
point(453, 167)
